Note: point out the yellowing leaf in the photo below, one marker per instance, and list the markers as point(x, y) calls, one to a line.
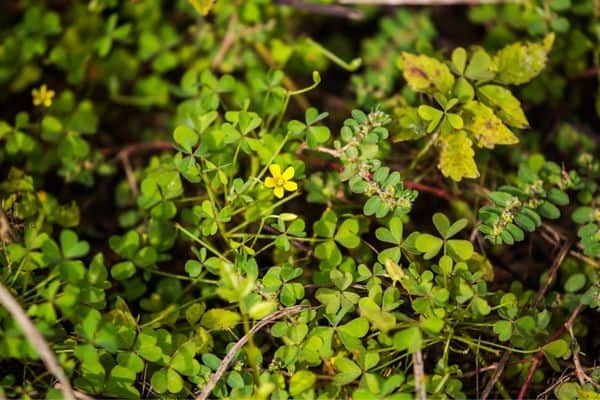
point(504, 105)
point(426, 74)
point(406, 124)
point(520, 62)
point(393, 270)
point(457, 156)
point(203, 7)
point(485, 126)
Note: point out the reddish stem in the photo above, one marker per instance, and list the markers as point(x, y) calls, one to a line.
point(438, 192)
point(537, 359)
point(133, 148)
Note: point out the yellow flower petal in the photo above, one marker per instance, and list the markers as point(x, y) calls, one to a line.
point(275, 170)
point(278, 191)
point(288, 173)
point(270, 182)
point(290, 186)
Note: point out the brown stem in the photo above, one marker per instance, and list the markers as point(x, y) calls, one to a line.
point(493, 367)
point(552, 272)
point(420, 2)
point(6, 233)
point(438, 192)
point(500, 368)
point(130, 175)
point(588, 73)
point(537, 359)
point(325, 9)
point(226, 43)
point(36, 340)
point(419, 372)
point(134, 148)
point(214, 379)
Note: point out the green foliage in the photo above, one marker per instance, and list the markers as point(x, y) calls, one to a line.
point(468, 101)
point(539, 189)
point(180, 179)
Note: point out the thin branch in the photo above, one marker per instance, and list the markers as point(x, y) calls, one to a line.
point(588, 73)
point(125, 152)
point(129, 174)
point(438, 192)
point(582, 377)
point(214, 379)
point(552, 272)
point(36, 340)
point(325, 9)
point(492, 367)
point(78, 395)
point(134, 148)
point(554, 241)
point(421, 2)
point(497, 373)
point(539, 356)
point(6, 233)
point(226, 43)
point(419, 372)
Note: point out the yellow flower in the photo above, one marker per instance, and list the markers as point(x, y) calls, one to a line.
point(281, 182)
point(42, 96)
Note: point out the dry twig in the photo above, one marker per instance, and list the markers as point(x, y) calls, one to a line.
point(325, 9)
point(539, 356)
point(419, 372)
point(552, 272)
point(214, 379)
point(497, 373)
point(226, 43)
point(420, 2)
point(6, 233)
point(78, 395)
point(36, 340)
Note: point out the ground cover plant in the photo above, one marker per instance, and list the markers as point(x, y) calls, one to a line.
point(298, 199)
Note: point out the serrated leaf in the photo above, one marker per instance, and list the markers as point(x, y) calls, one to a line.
point(426, 74)
point(457, 156)
point(520, 62)
point(486, 127)
point(504, 105)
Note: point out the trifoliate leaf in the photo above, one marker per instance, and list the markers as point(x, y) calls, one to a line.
point(301, 381)
point(409, 339)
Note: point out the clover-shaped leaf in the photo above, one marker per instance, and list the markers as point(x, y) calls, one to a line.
point(71, 246)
